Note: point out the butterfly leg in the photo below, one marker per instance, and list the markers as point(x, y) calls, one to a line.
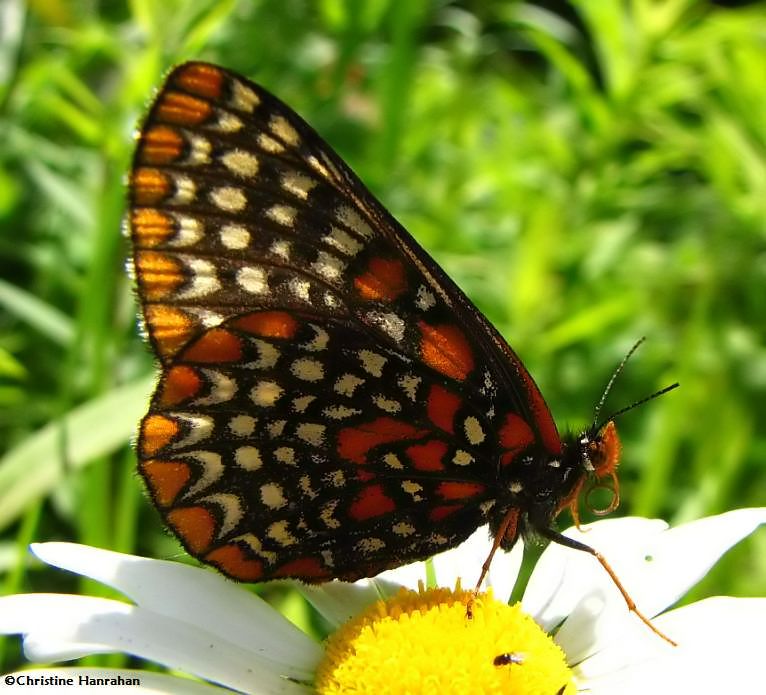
point(556, 537)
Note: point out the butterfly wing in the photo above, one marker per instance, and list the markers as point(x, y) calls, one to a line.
point(331, 403)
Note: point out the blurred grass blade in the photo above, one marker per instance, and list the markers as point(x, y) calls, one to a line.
point(39, 314)
point(96, 428)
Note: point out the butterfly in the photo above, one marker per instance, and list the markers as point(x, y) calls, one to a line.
point(331, 404)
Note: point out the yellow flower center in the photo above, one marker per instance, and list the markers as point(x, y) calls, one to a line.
point(429, 642)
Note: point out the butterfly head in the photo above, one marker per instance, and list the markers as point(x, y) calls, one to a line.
point(595, 453)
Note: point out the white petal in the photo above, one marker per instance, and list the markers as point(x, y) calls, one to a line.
point(657, 566)
point(564, 578)
point(58, 627)
point(720, 651)
point(464, 562)
point(151, 683)
point(407, 575)
point(197, 597)
point(338, 602)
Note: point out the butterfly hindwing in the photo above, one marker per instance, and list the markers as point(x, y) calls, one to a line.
point(331, 403)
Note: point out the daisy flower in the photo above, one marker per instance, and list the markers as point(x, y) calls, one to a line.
point(570, 633)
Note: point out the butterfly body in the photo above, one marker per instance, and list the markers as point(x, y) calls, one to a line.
point(331, 404)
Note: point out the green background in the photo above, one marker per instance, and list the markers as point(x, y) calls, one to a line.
point(589, 173)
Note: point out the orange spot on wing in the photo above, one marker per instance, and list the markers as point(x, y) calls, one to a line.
point(160, 145)
point(443, 511)
point(158, 275)
point(428, 456)
point(233, 561)
point(446, 349)
point(515, 433)
point(542, 415)
point(180, 383)
point(383, 281)
point(198, 78)
point(306, 568)
point(216, 345)
point(355, 442)
point(441, 407)
point(151, 227)
point(150, 186)
point(157, 431)
point(453, 490)
point(195, 526)
point(171, 328)
point(371, 502)
point(268, 324)
point(165, 479)
point(182, 109)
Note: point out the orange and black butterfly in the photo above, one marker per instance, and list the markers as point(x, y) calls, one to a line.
point(331, 404)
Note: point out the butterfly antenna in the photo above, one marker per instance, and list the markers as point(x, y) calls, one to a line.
point(598, 425)
point(612, 379)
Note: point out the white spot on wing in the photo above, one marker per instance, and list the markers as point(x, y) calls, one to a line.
point(242, 425)
point(298, 184)
point(212, 469)
point(409, 384)
point(285, 454)
point(203, 281)
point(242, 97)
point(189, 230)
point(346, 384)
point(327, 515)
point(273, 496)
point(230, 507)
point(302, 402)
point(199, 151)
point(268, 355)
point(462, 458)
point(353, 220)
point(228, 123)
point(234, 236)
point(403, 529)
point(283, 130)
point(307, 369)
point(328, 266)
point(266, 393)
point(341, 240)
point(282, 214)
point(281, 248)
point(391, 324)
point(222, 388)
point(228, 198)
point(248, 458)
point(473, 430)
point(269, 144)
point(340, 412)
point(279, 532)
point(276, 427)
point(387, 404)
point(240, 162)
point(300, 288)
point(319, 341)
point(252, 280)
point(311, 432)
point(425, 299)
point(200, 427)
point(369, 545)
point(372, 362)
point(185, 190)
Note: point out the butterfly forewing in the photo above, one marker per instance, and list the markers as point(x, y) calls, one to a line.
point(331, 404)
